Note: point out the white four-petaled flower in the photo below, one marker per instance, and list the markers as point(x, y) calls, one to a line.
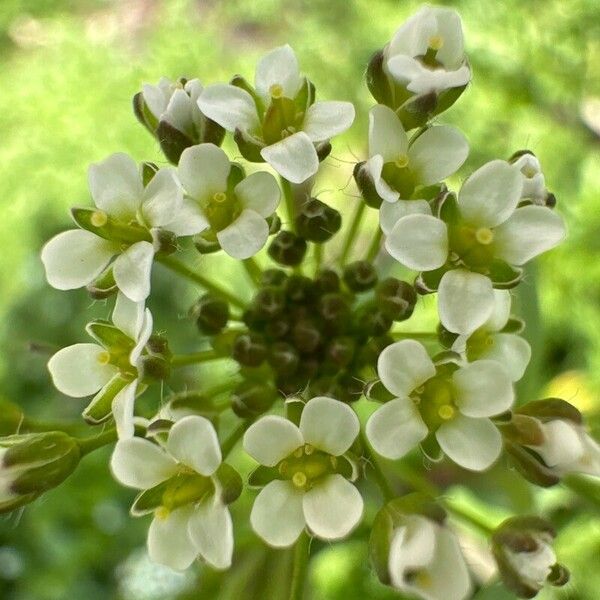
point(455, 406)
point(309, 491)
point(196, 523)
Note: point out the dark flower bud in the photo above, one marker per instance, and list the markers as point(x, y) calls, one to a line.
point(153, 368)
point(366, 185)
point(268, 302)
point(341, 351)
point(164, 241)
point(284, 358)
point(273, 277)
point(327, 281)
point(334, 307)
point(274, 223)
point(206, 242)
point(396, 298)
point(287, 249)
point(318, 222)
point(249, 349)
point(307, 336)
point(251, 399)
point(360, 276)
point(211, 314)
point(299, 289)
point(277, 328)
point(371, 321)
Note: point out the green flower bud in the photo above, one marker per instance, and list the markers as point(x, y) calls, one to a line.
point(284, 358)
point(153, 368)
point(318, 222)
point(299, 289)
point(360, 276)
point(287, 249)
point(269, 302)
point(371, 321)
point(249, 349)
point(273, 277)
point(334, 308)
point(396, 298)
point(307, 336)
point(327, 281)
point(252, 399)
point(211, 314)
point(31, 464)
point(341, 351)
point(366, 185)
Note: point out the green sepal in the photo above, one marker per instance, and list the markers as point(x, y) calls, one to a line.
point(242, 83)
point(149, 170)
point(143, 114)
point(231, 483)
point(366, 186)
point(248, 146)
point(9, 506)
point(445, 206)
point(445, 337)
point(447, 98)
point(523, 430)
point(172, 141)
point(112, 229)
point(431, 449)
point(428, 282)
point(99, 409)
point(377, 80)
point(417, 110)
point(513, 325)
point(104, 286)
point(149, 500)
point(530, 466)
point(559, 575)
point(503, 275)
point(107, 334)
point(306, 95)
point(236, 175)
point(551, 409)
point(262, 475)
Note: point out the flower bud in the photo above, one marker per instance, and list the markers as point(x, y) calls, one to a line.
point(396, 298)
point(284, 358)
point(249, 349)
point(366, 185)
point(251, 399)
point(299, 289)
point(307, 336)
point(287, 249)
point(327, 281)
point(334, 308)
point(268, 302)
point(273, 277)
point(164, 241)
point(360, 276)
point(371, 321)
point(153, 368)
point(341, 351)
point(32, 464)
point(522, 547)
point(274, 223)
point(211, 314)
point(317, 222)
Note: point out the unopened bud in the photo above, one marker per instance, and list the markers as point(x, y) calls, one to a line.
point(307, 336)
point(268, 302)
point(273, 277)
point(396, 298)
point(153, 368)
point(284, 358)
point(211, 314)
point(249, 349)
point(287, 249)
point(318, 222)
point(360, 276)
point(327, 281)
point(252, 399)
point(299, 289)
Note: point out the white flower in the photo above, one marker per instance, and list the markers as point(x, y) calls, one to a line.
point(453, 404)
point(534, 183)
point(132, 214)
point(488, 342)
point(568, 448)
point(309, 490)
point(182, 490)
point(485, 233)
point(281, 124)
point(534, 567)
point(108, 369)
point(399, 167)
point(236, 212)
point(425, 560)
point(427, 52)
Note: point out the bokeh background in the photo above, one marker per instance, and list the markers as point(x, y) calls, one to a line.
point(68, 70)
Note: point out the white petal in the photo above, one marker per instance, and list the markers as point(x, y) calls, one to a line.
point(271, 439)
point(294, 158)
point(116, 185)
point(259, 192)
point(404, 366)
point(474, 444)
point(277, 515)
point(483, 389)
point(420, 242)
point(449, 575)
point(563, 445)
point(157, 97)
point(589, 462)
point(162, 198)
point(132, 269)
point(188, 220)
point(278, 67)
point(386, 134)
point(396, 428)
point(512, 352)
point(229, 106)
point(391, 212)
point(169, 542)
point(438, 80)
point(438, 153)
point(501, 313)
point(413, 35)
point(179, 112)
point(245, 236)
point(375, 167)
point(405, 68)
point(203, 170)
point(75, 258)
point(80, 370)
point(449, 28)
point(193, 441)
point(329, 425)
point(123, 408)
point(325, 120)
point(491, 194)
point(140, 464)
point(211, 531)
point(465, 301)
point(332, 508)
point(530, 231)
point(128, 316)
point(143, 336)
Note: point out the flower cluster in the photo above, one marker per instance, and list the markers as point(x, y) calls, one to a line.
point(317, 346)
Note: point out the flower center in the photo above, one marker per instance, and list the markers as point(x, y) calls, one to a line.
point(435, 42)
point(103, 357)
point(276, 90)
point(306, 465)
point(290, 130)
point(99, 218)
point(484, 236)
point(436, 402)
point(446, 412)
point(402, 161)
point(219, 197)
point(162, 512)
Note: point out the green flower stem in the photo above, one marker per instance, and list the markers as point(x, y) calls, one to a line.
point(300, 567)
point(414, 335)
point(353, 229)
point(290, 203)
point(586, 488)
point(234, 437)
point(318, 257)
point(88, 445)
point(469, 516)
point(253, 270)
point(182, 269)
point(182, 360)
point(380, 478)
point(28, 425)
point(374, 247)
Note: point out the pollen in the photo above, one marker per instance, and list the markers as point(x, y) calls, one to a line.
point(308, 449)
point(162, 513)
point(276, 90)
point(299, 479)
point(484, 236)
point(402, 161)
point(435, 42)
point(299, 452)
point(446, 412)
point(98, 218)
point(220, 197)
point(103, 357)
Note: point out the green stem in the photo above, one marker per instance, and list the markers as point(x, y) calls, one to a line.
point(318, 257)
point(182, 269)
point(234, 437)
point(414, 335)
point(374, 247)
point(351, 234)
point(300, 567)
point(253, 270)
point(380, 478)
point(468, 517)
point(182, 360)
point(34, 426)
point(290, 203)
point(88, 445)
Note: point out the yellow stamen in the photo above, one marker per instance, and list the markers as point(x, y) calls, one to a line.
point(98, 218)
point(484, 236)
point(283, 465)
point(402, 161)
point(446, 412)
point(435, 42)
point(162, 513)
point(299, 479)
point(298, 453)
point(276, 90)
point(103, 358)
point(220, 197)
point(308, 449)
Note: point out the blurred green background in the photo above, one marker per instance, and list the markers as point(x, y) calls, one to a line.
point(68, 70)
